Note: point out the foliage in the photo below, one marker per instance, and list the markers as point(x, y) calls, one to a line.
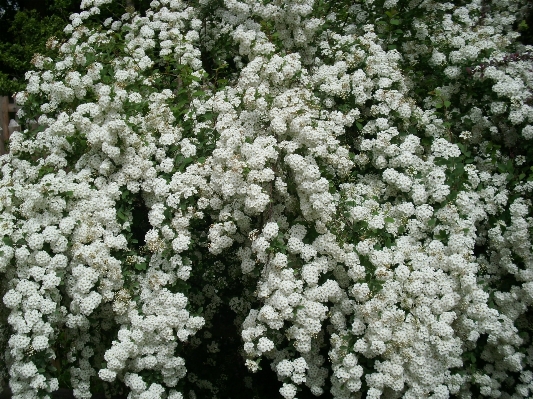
point(330, 196)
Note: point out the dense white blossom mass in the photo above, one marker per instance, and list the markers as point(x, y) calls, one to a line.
point(350, 178)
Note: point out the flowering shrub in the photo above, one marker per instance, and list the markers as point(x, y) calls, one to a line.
point(339, 189)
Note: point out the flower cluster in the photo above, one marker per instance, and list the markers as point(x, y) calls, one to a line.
point(337, 177)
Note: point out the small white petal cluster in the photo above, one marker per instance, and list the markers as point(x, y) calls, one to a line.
point(351, 181)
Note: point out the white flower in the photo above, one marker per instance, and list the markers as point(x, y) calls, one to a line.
point(28, 370)
point(12, 298)
point(134, 382)
point(270, 230)
point(437, 58)
point(181, 243)
point(527, 132)
point(40, 343)
point(188, 149)
point(107, 375)
point(90, 302)
point(280, 260)
point(300, 365)
point(264, 344)
point(288, 391)
point(443, 148)
point(452, 72)
point(19, 341)
point(284, 368)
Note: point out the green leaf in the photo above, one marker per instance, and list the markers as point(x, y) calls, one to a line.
point(388, 219)
point(8, 241)
point(140, 266)
point(395, 22)
point(447, 104)
point(432, 222)
point(121, 215)
point(443, 235)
